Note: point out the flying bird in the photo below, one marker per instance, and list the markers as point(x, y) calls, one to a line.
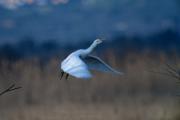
point(80, 62)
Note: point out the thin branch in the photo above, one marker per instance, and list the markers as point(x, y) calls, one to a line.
point(172, 70)
point(169, 74)
point(170, 67)
point(173, 74)
point(9, 89)
point(161, 73)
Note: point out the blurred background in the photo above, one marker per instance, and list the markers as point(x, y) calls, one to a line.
point(142, 37)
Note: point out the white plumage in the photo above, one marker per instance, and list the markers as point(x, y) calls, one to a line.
point(80, 62)
point(74, 66)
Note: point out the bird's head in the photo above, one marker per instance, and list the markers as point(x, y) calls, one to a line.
point(98, 41)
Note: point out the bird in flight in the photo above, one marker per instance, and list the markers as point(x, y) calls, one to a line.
point(79, 63)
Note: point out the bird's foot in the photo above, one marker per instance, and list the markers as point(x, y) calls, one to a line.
point(67, 75)
point(62, 73)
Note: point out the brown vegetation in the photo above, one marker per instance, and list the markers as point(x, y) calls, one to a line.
point(139, 94)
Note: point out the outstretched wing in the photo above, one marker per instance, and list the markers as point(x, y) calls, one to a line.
point(96, 63)
point(76, 67)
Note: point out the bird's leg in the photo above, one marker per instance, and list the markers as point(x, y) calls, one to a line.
point(67, 75)
point(62, 73)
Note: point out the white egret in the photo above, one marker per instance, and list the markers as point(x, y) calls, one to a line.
point(80, 62)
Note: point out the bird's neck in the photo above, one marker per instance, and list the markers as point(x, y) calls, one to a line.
point(90, 48)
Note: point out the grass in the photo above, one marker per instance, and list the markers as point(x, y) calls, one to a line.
point(157, 110)
point(137, 95)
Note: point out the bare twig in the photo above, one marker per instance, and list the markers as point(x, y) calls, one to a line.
point(171, 67)
point(169, 71)
point(9, 89)
point(174, 75)
point(172, 71)
point(161, 73)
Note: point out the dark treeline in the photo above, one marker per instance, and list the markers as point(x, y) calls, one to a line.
point(167, 41)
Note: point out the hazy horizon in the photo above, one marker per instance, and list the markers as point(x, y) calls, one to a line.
point(74, 21)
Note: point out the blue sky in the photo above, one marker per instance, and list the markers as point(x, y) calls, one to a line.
point(72, 21)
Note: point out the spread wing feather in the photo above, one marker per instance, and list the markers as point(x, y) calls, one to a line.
point(96, 63)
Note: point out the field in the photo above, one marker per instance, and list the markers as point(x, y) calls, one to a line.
point(132, 110)
point(140, 94)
